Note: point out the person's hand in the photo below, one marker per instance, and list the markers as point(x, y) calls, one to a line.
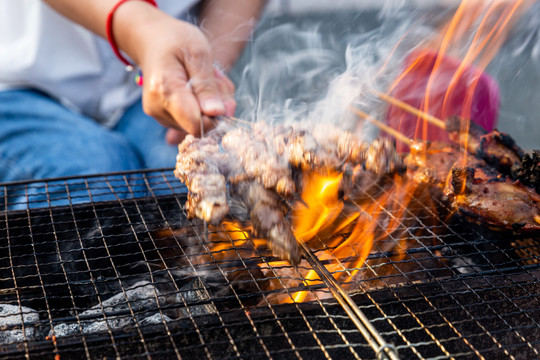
point(175, 136)
point(181, 87)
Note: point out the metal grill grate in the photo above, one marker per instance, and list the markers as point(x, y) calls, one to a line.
point(109, 266)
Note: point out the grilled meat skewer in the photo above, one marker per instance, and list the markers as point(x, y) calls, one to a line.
point(268, 218)
point(259, 162)
point(197, 167)
point(436, 160)
point(495, 147)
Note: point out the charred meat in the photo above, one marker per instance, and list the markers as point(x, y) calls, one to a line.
point(268, 218)
point(435, 160)
point(496, 148)
point(259, 162)
point(528, 171)
point(500, 204)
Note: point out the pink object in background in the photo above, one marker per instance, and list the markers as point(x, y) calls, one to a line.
point(465, 91)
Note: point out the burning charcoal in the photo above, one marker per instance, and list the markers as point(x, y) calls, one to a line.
point(141, 297)
point(459, 262)
point(11, 321)
point(194, 292)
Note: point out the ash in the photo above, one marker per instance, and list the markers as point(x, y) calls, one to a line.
point(139, 305)
point(16, 323)
point(101, 317)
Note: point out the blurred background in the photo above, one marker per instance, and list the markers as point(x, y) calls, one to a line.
point(302, 48)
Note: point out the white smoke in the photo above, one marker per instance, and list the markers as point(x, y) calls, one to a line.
point(317, 70)
point(300, 70)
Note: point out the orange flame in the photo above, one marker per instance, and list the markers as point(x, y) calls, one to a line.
point(344, 231)
point(447, 76)
point(321, 208)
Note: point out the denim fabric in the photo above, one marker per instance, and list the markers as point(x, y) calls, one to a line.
point(39, 138)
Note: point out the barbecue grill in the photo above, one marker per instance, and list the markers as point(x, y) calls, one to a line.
point(109, 266)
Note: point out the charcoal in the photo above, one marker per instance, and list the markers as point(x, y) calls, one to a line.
point(141, 297)
point(154, 319)
point(11, 321)
point(194, 292)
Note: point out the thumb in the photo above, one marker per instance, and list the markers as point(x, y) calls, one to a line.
point(204, 85)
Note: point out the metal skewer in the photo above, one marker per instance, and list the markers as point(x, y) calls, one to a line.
point(383, 350)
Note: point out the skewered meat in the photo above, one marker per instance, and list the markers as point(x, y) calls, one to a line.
point(501, 204)
point(259, 162)
point(435, 160)
point(328, 147)
point(304, 152)
point(375, 172)
point(381, 157)
point(269, 222)
point(197, 167)
point(341, 144)
point(496, 148)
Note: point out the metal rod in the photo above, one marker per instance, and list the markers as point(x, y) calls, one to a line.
point(411, 109)
point(235, 119)
point(202, 126)
point(382, 349)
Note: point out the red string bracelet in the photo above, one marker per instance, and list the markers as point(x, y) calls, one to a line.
point(112, 41)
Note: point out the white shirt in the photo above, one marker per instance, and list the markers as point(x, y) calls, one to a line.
point(41, 49)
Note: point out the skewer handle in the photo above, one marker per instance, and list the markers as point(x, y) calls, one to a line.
point(411, 109)
point(390, 131)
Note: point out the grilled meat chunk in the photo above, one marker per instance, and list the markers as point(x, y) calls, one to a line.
point(304, 152)
point(496, 148)
point(381, 157)
point(197, 167)
point(435, 160)
point(501, 204)
point(259, 162)
point(339, 143)
point(528, 171)
point(268, 218)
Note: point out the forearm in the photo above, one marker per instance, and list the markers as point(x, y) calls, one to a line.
point(92, 14)
point(181, 88)
point(228, 25)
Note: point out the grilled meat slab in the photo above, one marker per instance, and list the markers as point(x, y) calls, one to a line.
point(500, 204)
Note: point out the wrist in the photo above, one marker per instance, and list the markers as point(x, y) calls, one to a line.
point(126, 27)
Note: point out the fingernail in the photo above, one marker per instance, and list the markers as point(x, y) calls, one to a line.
point(213, 106)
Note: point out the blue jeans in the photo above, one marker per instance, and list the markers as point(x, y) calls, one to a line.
point(40, 138)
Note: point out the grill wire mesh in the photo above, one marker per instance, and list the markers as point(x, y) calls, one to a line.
point(109, 266)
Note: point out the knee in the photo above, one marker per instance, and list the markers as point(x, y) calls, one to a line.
point(109, 152)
